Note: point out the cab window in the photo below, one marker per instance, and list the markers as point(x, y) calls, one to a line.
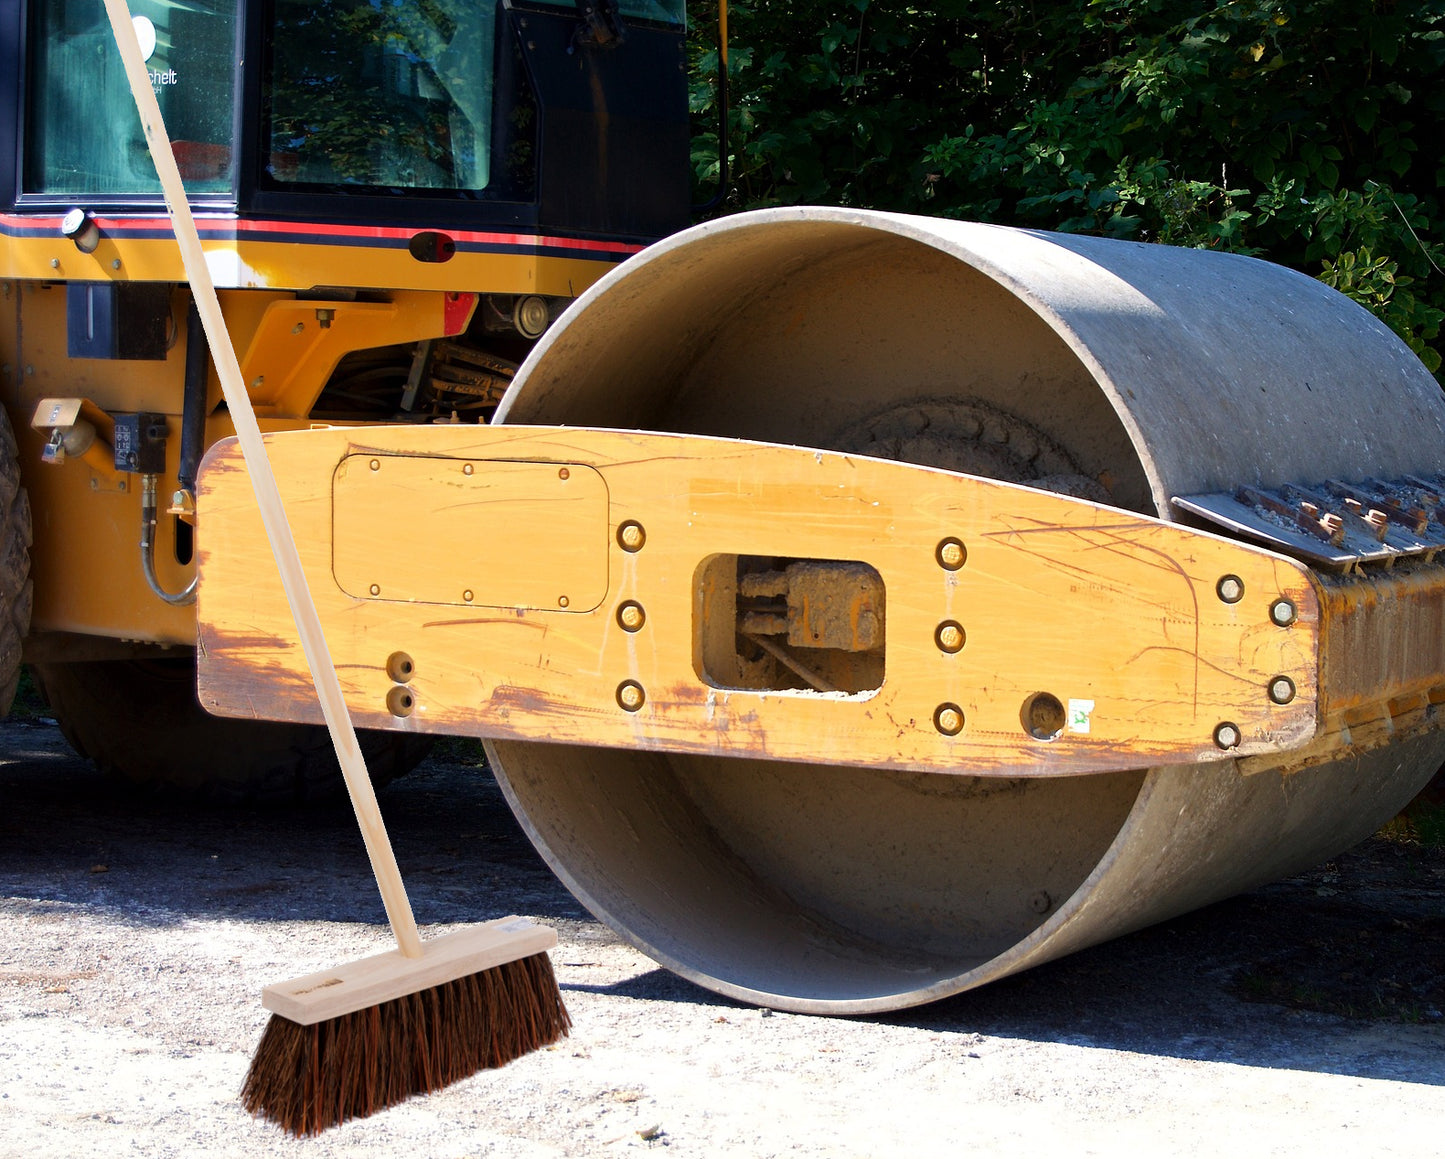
point(82, 131)
point(393, 94)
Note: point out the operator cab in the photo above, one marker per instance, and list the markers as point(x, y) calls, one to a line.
point(563, 118)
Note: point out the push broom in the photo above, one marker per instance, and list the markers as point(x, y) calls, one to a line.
point(347, 1042)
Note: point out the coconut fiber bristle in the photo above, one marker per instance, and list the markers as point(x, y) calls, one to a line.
point(308, 1078)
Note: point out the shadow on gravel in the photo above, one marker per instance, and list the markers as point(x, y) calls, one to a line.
point(1341, 970)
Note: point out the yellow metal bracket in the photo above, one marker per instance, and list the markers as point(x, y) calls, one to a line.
point(661, 591)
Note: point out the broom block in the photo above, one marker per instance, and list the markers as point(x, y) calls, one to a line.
point(371, 981)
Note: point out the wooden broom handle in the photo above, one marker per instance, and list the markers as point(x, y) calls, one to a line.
point(273, 515)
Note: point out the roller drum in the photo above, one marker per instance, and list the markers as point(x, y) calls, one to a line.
point(1119, 372)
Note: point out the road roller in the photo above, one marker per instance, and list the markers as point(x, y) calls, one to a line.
point(858, 608)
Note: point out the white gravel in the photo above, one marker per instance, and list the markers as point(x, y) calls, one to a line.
point(136, 939)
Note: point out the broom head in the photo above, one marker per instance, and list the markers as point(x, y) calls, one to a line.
point(345, 1043)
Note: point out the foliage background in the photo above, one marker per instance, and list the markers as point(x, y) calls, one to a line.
point(1311, 133)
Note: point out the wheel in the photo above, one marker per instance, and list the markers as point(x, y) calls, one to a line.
point(140, 720)
point(1111, 371)
point(15, 591)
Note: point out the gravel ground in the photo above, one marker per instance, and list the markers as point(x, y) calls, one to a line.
point(137, 937)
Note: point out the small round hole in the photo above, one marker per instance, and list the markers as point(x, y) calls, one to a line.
point(399, 667)
point(1043, 716)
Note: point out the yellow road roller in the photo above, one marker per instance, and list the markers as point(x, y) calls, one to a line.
point(856, 608)
point(859, 607)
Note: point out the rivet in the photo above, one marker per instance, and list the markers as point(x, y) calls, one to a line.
point(55, 263)
point(1281, 690)
point(1230, 589)
point(399, 667)
point(563, 601)
point(564, 474)
point(376, 589)
point(949, 636)
point(467, 595)
point(951, 554)
point(1041, 902)
point(1227, 735)
point(300, 326)
point(115, 264)
point(1283, 613)
point(466, 468)
point(400, 701)
point(376, 464)
point(630, 695)
point(948, 719)
point(631, 616)
point(631, 536)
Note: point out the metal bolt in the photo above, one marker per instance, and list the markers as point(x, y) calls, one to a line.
point(1227, 735)
point(376, 589)
point(564, 474)
point(1041, 902)
point(631, 536)
point(949, 636)
point(467, 595)
point(948, 719)
point(467, 468)
point(1281, 690)
point(630, 695)
point(300, 326)
point(55, 263)
point(563, 601)
point(1283, 613)
point(376, 464)
point(951, 554)
point(115, 264)
point(631, 616)
point(1230, 589)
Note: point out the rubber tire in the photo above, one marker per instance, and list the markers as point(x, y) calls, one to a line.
point(15, 589)
point(139, 720)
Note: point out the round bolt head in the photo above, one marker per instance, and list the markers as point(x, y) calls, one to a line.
point(376, 589)
point(399, 667)
point(1041, 902)
point(949, 636)
point(563, 601)
point(948, 719)
point(1281, 690)
point(467, 468)
point(1283, 613)
point(467, 595)
point(951, 554)
point(631, 616)
point(630, 695)
point(1227, 735)
point(375, 464)
point(631, 536)
point(564, 474)
point(1230, 589)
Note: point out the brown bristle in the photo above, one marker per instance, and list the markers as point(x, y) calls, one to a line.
point(308, 1078)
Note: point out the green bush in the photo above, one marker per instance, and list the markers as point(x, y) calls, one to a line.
point(1308, 133)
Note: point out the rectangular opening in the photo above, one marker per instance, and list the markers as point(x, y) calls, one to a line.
point(765, 623)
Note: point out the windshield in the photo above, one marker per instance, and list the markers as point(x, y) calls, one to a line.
point(82, 131)
point(391, 93)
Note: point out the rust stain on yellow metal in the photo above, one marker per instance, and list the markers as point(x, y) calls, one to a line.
point(1114, 615)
